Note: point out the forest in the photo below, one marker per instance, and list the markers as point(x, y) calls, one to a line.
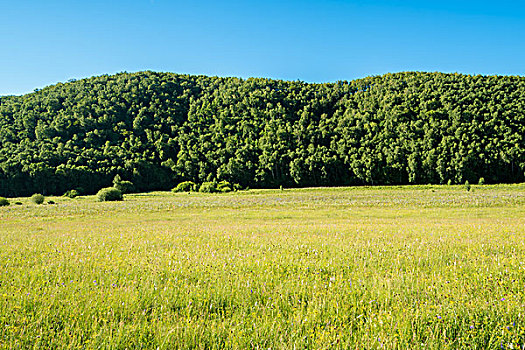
point(158, 129)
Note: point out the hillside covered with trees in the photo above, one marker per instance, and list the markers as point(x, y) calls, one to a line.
point(158, 129)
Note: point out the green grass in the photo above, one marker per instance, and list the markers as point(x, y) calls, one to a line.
point(380, 267)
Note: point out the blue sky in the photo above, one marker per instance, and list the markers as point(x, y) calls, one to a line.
point(45, 42)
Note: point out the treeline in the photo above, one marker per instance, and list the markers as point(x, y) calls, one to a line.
point(158, 129)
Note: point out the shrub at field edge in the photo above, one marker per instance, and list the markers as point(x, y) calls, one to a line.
point(109, 194)
point(72, 193)
point(186, 186)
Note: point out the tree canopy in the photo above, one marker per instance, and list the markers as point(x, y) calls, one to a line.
point(158, 129)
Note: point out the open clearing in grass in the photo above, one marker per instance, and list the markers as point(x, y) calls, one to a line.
point(393, 267)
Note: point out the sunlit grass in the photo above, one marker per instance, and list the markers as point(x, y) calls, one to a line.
point(392, 267)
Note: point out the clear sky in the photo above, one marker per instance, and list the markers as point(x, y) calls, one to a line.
point(43, 42)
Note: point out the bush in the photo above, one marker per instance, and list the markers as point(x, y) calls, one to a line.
point(37, 198)
point(467, 185)
point(109, 194)
point(72, 194)
point(125, 186)
point(208, 187)
point(224, 186)
point(186, 186)
point(237, 187)
point(3, 202)
point(481, 181)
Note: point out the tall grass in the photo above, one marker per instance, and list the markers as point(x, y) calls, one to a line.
point(402, 267)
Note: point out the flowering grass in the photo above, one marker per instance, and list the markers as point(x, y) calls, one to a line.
point(420, 267)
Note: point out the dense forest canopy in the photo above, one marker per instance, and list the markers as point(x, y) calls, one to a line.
point(157, 129)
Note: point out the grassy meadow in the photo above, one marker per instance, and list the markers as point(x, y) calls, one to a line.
point(419, 267)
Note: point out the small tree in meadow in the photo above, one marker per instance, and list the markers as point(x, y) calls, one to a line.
point(3, 202)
